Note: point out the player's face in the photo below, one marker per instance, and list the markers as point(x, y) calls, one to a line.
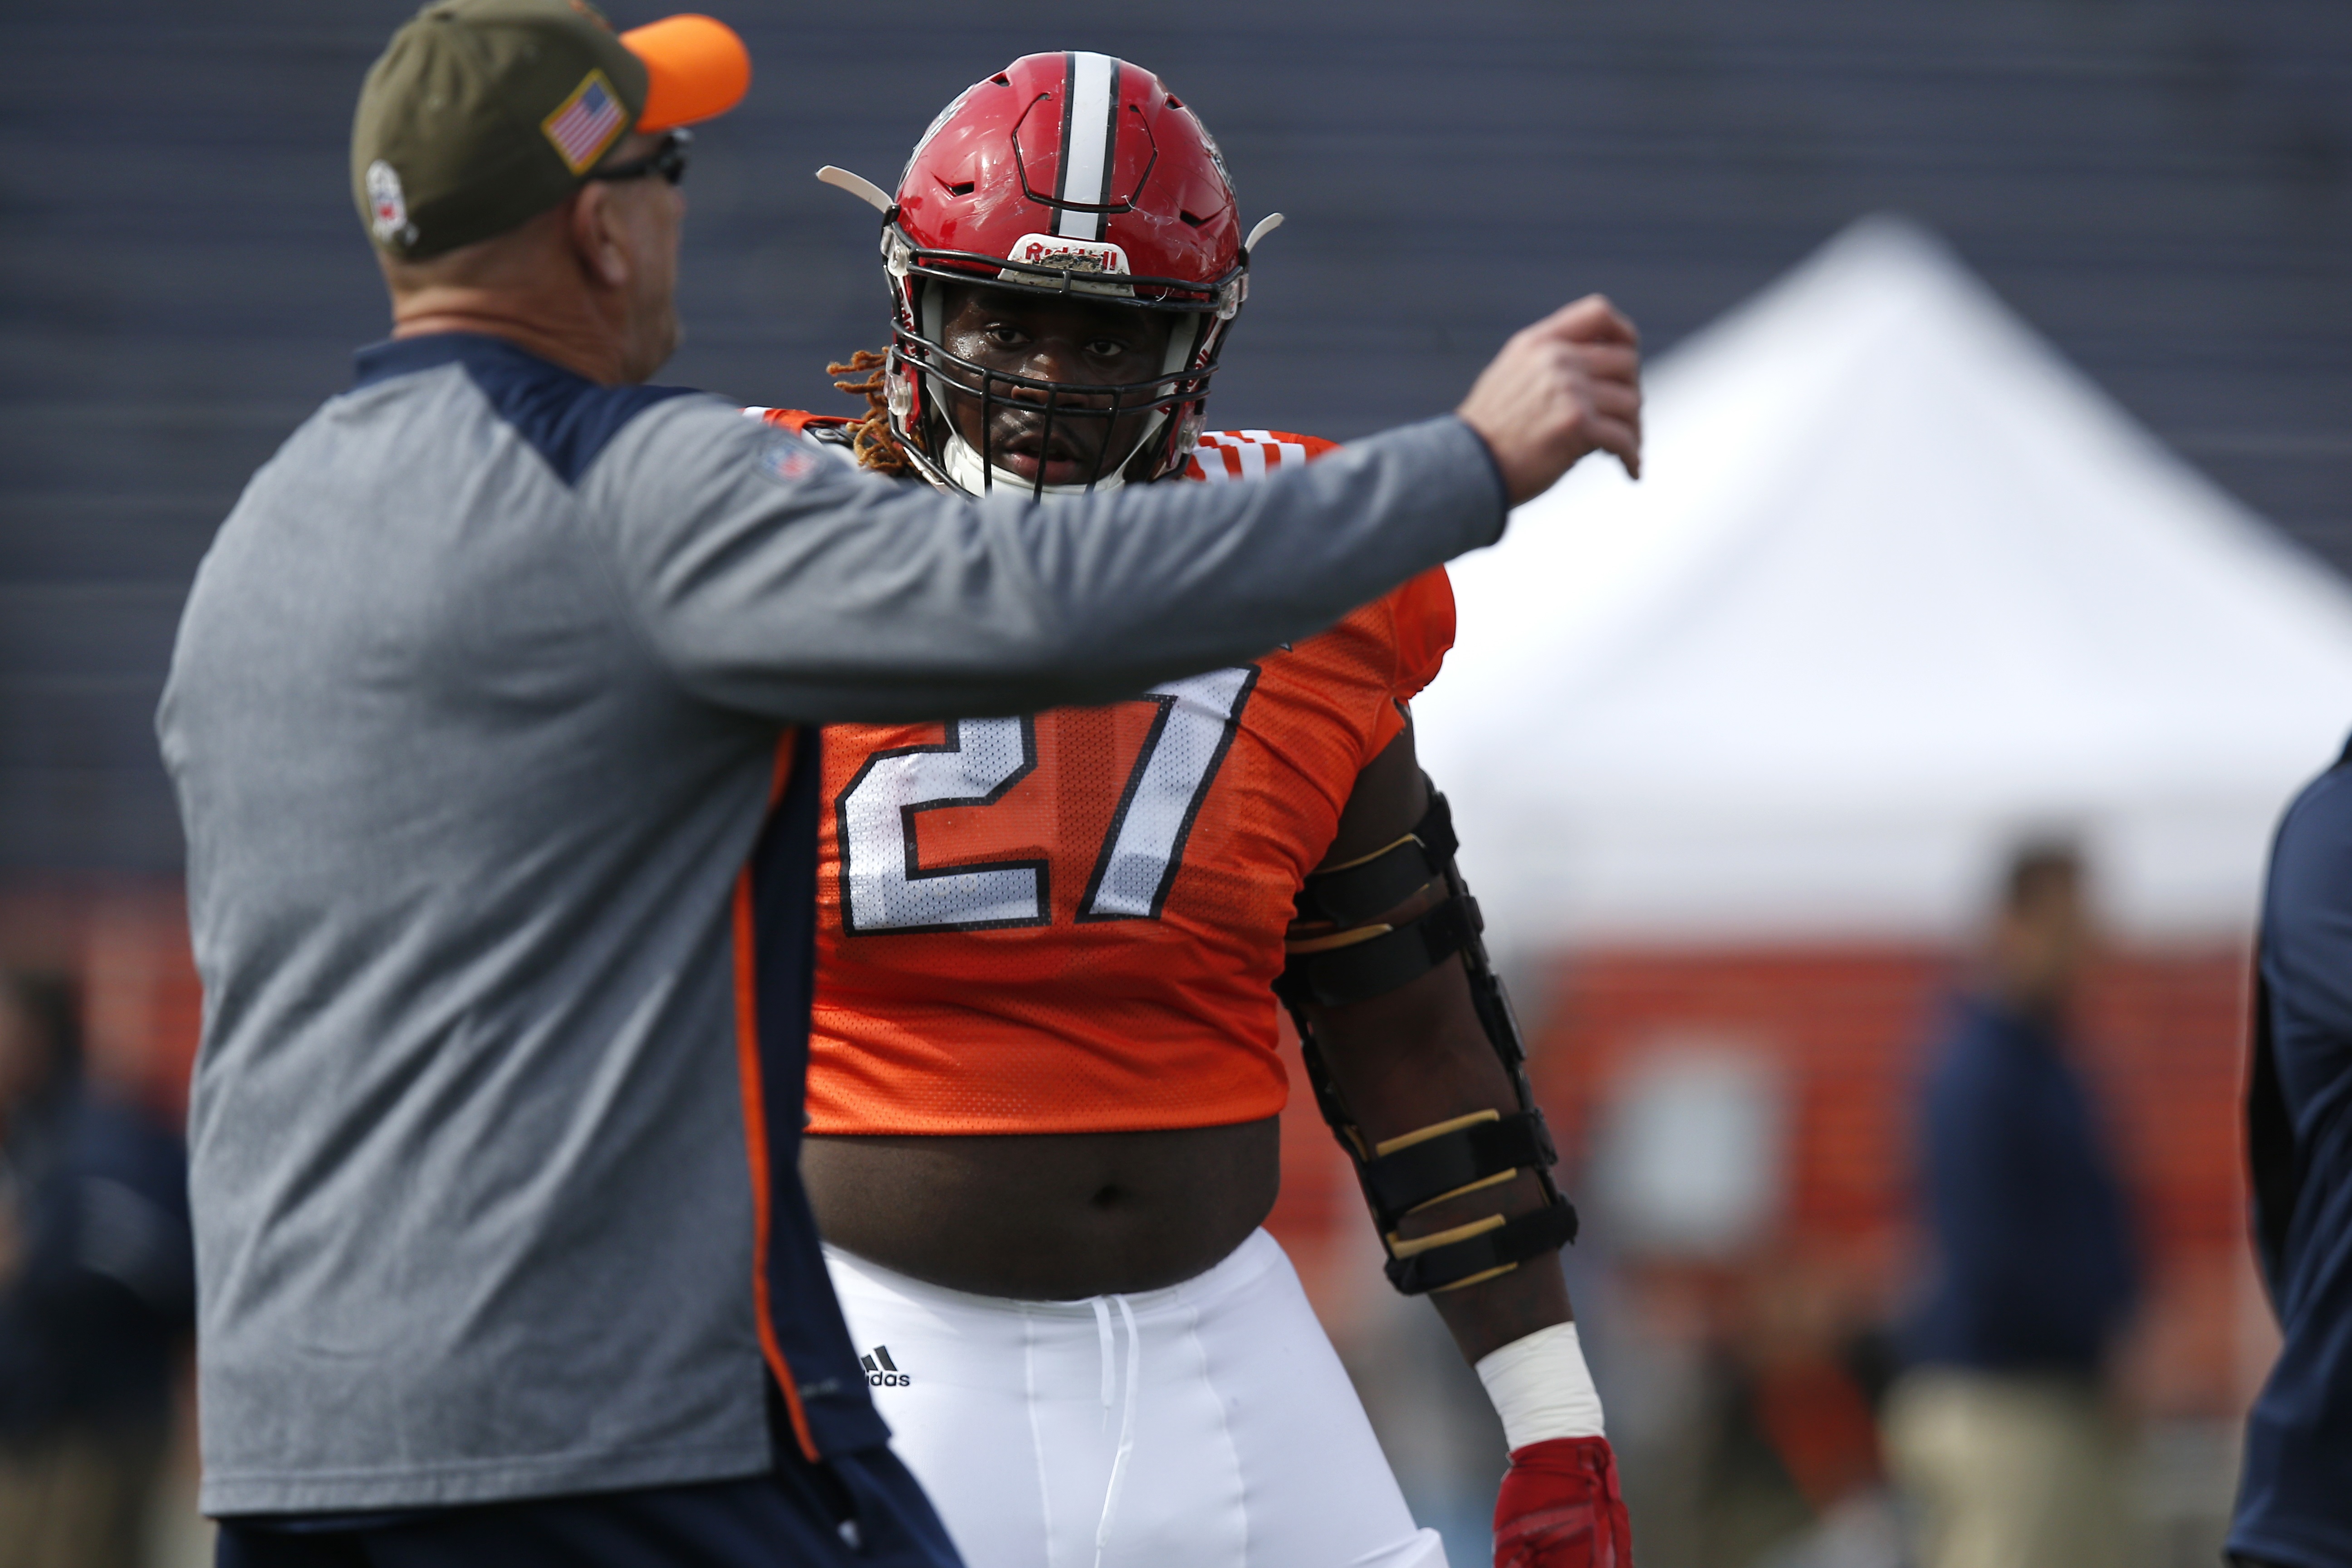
point(1069, 341)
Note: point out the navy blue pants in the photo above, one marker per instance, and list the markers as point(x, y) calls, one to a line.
point(858, 1510)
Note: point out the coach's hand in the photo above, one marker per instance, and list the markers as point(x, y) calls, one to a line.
point(1560, 1508)
point(1569, 385)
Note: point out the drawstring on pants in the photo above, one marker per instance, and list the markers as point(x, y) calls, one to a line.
point(1102, 1306)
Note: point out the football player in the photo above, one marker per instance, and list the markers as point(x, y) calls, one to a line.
point(1043, 1079)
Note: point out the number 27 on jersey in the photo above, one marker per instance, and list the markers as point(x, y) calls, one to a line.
point(886, 887)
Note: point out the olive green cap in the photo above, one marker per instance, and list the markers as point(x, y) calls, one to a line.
point(481, 114)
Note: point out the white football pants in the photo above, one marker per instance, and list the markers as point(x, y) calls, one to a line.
point(1206, 1426)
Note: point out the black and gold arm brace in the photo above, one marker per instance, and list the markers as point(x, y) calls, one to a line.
point(1341, 953)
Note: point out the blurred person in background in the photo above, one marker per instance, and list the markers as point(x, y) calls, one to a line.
point(1999, 1430)
point(97, 1293)
point(2294, 1499)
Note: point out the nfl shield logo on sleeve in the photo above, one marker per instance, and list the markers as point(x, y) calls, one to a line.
point(785, 459)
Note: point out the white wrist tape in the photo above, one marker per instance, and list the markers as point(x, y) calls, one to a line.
point(1542, 1388)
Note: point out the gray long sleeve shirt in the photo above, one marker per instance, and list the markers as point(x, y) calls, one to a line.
point(498, 894)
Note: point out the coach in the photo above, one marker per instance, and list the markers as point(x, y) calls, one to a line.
point(489, 719)
point(2294, 1500)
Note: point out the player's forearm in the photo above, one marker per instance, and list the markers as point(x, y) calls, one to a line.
point(1484, 1317)
point(1417, 1057)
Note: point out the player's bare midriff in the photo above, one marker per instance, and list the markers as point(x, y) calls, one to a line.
point(1046, 1217)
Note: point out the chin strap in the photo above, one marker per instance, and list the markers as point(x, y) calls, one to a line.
point(1361, 958)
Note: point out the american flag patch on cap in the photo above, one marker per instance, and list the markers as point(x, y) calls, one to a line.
point(586, 123)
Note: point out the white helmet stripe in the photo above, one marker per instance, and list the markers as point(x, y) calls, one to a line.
point(1089, 143)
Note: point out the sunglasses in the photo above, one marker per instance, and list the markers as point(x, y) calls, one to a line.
point(668, 159)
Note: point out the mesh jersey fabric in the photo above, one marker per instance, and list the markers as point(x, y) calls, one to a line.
point(1072, 921)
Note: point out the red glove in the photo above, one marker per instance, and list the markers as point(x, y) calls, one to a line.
point(1560, 1508)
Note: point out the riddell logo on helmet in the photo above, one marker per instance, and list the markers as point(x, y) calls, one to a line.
point(1060, 251)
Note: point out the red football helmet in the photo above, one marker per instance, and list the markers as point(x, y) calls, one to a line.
point(1072, 175)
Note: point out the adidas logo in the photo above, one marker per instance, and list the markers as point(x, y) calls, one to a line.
point(881, 1371)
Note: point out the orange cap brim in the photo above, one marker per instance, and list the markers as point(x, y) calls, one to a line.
point(696, 68)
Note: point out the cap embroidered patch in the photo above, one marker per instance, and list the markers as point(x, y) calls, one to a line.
point(587, 122)
point(387, 205)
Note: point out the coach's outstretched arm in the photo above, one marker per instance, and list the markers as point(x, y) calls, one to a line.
point(771, 579)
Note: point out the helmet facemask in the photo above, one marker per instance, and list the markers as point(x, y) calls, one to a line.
point(954, 411)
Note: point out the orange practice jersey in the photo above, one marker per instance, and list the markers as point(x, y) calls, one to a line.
point(1072, 921)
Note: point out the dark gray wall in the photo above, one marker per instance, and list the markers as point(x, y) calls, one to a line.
point(2165, 189)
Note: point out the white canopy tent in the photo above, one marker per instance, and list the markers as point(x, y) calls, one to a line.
point(1899, 586)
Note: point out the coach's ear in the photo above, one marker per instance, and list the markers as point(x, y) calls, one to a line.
point(604, 228)
point(599, 241)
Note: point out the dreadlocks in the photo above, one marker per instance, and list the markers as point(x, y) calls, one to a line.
point(871, 438)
